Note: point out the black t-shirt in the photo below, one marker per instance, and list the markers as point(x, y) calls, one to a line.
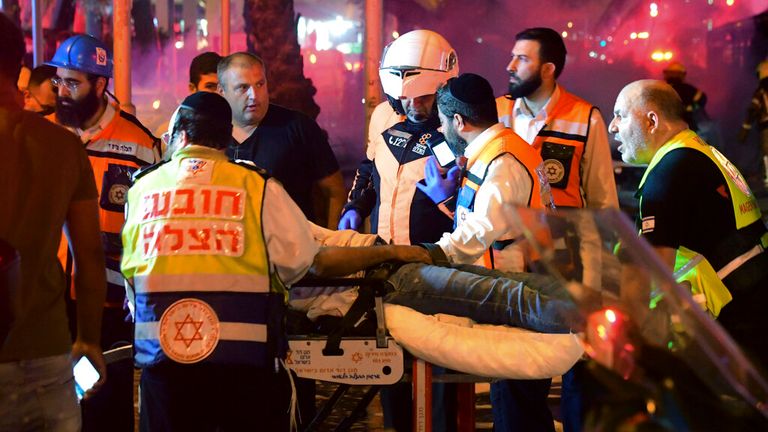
point(292, 148)
point(686, 202)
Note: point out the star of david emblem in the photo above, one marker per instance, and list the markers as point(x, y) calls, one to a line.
point(357, 357)
point(195, 329)
point(552, 171)
point(195, 166)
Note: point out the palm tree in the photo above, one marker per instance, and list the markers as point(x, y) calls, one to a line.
point(270, 26)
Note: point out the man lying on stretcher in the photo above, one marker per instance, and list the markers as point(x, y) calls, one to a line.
point(531, 301)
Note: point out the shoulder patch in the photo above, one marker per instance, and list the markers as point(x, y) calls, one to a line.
point(147, 169)
point(251, 166)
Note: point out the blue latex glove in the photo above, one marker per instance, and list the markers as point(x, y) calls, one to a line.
point(437, 187)
point(351, 219)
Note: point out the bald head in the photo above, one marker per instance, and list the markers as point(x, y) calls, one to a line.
point(647, 114)
point(658, 96)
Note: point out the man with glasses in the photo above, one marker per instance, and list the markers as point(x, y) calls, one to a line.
point(117, 145)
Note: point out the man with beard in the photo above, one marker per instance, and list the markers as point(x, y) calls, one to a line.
point(117, 145)
point(571, 136)
point(398, 185)
point(502, 173)
point(685, 177)
point(569, 132)
point(390, 185)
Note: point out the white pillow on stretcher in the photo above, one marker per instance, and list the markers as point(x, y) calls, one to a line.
point(485, 350)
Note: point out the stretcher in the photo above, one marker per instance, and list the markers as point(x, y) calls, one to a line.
point(379, 359)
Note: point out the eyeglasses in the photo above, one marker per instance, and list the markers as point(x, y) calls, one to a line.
point(71, 84)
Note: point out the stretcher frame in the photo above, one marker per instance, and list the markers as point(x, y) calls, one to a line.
point(373, 288)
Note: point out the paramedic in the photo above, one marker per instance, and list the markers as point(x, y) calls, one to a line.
point(502, 172)
point(206, 241)
point(117, 145)
point(390, 184)
point(686, 176)
point(571, 136)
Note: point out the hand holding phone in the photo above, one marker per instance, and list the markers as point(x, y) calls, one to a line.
point(443, 153)
point(436, 186)
point(86, 376)
point(90, 370)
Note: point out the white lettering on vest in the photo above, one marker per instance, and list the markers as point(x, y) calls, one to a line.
point(192, 237)
point(194, 202)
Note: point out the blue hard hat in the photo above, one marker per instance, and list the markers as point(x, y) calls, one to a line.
point(84, 53)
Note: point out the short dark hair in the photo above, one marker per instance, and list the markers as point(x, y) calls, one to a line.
point(13, 48)
point(204, 64)
point(480, 114)
point(243, 56)
point(551, 46)
point(665, 99)
point(40, 75)
point(201, 130)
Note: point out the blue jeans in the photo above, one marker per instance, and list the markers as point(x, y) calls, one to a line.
point(531, 301)
point(38, 395)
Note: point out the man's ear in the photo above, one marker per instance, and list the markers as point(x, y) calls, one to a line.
point(548, 71)
point(653, 121)
point(101, 85)
point(192, 88)
point(458, 122)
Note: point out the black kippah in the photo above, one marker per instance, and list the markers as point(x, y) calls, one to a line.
point(471, 89)
point(212, 106)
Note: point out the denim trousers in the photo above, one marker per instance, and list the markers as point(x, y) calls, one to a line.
point(530, 301)
point(38, 394)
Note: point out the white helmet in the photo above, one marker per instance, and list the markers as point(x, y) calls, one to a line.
point(417, 64)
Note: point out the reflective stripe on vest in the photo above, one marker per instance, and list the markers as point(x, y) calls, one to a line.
point(193, 234)
point(201, 282)
point(704, 279)
point(561, 143)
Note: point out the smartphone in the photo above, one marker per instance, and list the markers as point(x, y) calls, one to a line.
point(443, 154)
point(86, 376)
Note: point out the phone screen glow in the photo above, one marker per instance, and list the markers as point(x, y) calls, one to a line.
point(85, 376)
point(443, 153)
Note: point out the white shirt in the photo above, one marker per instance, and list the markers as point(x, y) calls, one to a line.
point(290, 244)
point(598, 186)
point(506, 187)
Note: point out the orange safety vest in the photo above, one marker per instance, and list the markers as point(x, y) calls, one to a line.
point(506, 142)
point(115, 153)
point(561, 143)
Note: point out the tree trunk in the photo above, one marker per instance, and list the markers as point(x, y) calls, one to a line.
point(270, 26)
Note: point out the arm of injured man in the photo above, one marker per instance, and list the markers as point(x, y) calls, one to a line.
point(341, 261)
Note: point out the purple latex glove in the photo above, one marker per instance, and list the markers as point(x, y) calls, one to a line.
point(351, 219)
point(437, 187)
